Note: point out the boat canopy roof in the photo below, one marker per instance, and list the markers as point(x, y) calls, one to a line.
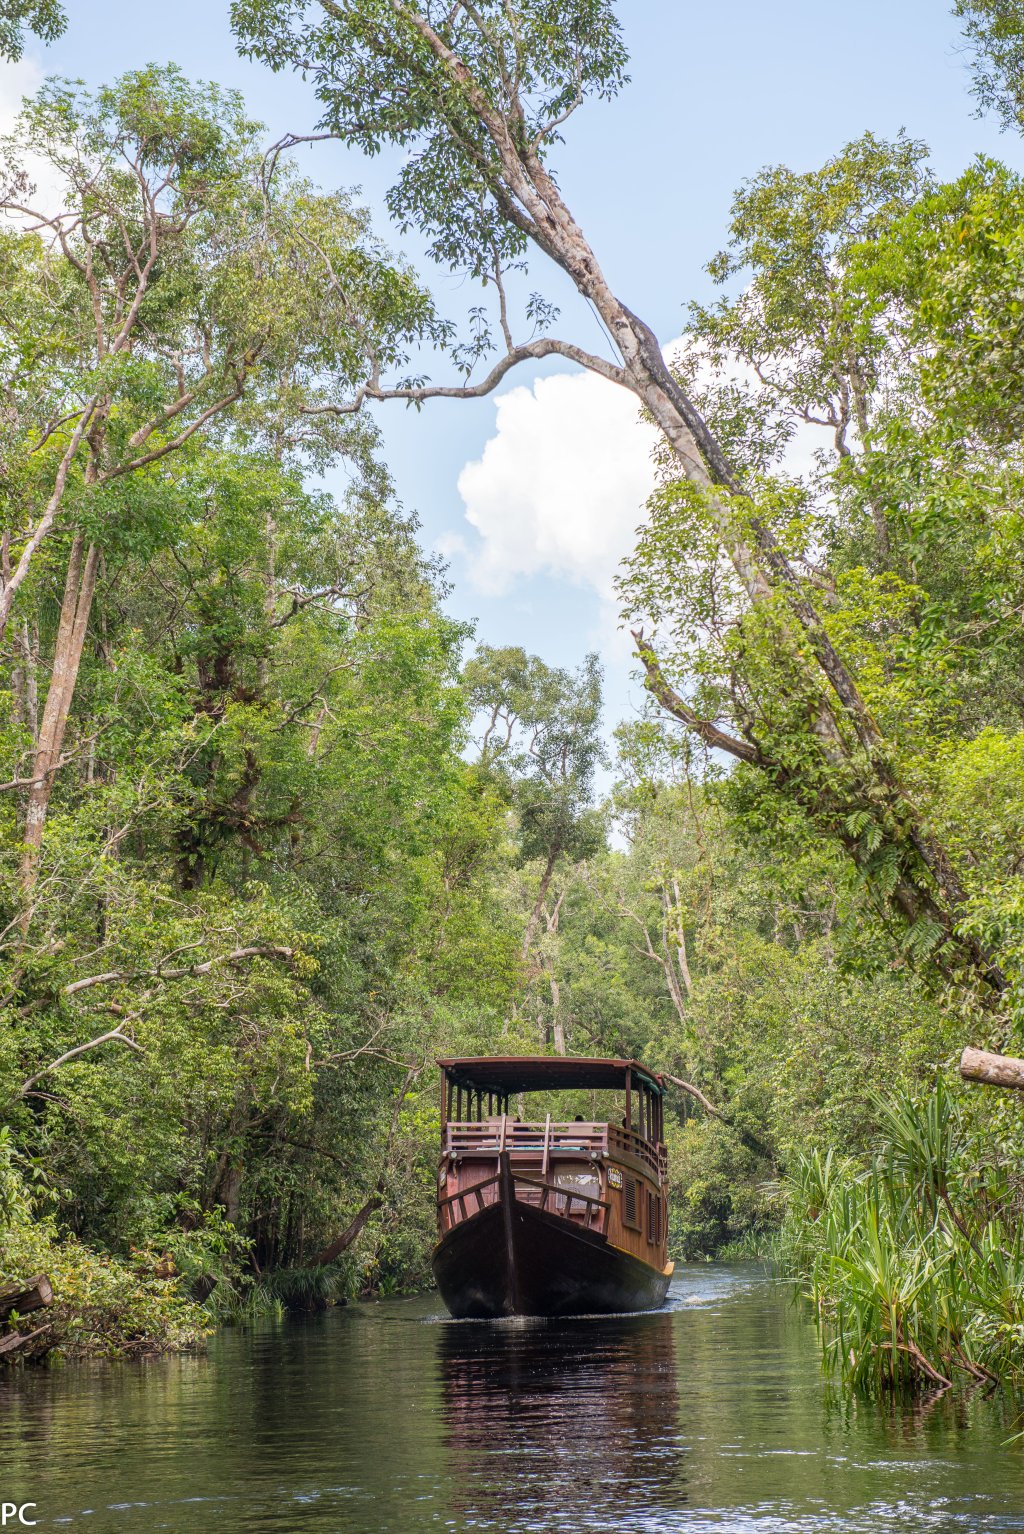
point(537, 1073)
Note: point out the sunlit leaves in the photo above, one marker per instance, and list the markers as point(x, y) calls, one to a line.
point(995, 30)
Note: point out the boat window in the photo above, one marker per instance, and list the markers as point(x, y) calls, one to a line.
point(578, 1179)
point(630, 1203)
point(653, 1218)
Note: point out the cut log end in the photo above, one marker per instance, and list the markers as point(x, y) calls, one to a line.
point(25, 1297)
point(992, 1070)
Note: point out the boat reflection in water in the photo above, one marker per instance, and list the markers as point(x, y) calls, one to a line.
point(577, 1419)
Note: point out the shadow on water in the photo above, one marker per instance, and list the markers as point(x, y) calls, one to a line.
point(709, 1416)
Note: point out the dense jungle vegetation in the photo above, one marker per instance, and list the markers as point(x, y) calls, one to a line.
point(277, 832)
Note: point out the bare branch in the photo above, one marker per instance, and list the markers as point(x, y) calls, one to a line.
point(687, 1086)
point(113, 976)
point(529, 351)
point(175, 442)
point(113, 1036)
point(47, 519)
point(670, 700)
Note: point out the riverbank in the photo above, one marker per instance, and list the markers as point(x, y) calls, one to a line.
point(912, 1255)
point(93, 1305)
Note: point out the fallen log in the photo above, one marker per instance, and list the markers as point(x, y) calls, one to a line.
point(18, 1342)
point(992, 1070)
point(24, 1298)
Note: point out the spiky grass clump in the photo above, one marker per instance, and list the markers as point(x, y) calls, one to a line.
point(305, 1289)
point(914, 1260)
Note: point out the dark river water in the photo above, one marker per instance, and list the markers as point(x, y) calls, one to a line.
point(389, 1419)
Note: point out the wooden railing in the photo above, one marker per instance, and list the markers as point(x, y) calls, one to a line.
point(594, 1211)
point(628, 1142)
point(446, 1207)
point(544, 1142)
point(465, 1202)
point(492, 1136)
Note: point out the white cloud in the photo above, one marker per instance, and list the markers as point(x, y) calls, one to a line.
point(20, 78)
point(561, 485)
point(559, 490)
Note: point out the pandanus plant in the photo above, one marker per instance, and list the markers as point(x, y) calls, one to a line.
point(913, 1257)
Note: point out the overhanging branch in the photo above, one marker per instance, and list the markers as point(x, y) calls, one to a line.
point(114, 1035)
point(181, 972)
point(529, 351)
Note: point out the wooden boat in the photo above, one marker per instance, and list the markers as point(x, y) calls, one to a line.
point(545, 1218)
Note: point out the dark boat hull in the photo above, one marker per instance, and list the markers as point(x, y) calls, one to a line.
point(512, 1259)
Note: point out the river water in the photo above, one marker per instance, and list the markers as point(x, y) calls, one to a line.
point(710, 1415)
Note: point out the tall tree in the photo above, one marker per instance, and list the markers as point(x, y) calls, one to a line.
point(477, 96)
point(181, 276)
point(540, 736)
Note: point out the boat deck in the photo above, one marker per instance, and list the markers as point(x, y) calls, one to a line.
point(541, 1143)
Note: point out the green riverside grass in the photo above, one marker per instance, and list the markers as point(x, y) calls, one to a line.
point(913, 1258)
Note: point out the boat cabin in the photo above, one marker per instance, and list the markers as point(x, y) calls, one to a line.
point(604, 1175)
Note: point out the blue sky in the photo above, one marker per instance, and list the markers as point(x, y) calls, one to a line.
point(558, 472)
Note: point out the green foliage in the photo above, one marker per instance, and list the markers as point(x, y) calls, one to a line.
point(271, 886)
point(913, 1258)
point(102, 1306)
point(995, 31)
point(268, 890)
point(303, 1289)
point(44, 18)
point(557, 52)
point(722, 1197)
point(540, 738)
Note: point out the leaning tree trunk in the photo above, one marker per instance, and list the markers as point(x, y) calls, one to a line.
point(353, 1230)
point(79, 590)
point(538, 904)
point(513, 167)
point(852, 748)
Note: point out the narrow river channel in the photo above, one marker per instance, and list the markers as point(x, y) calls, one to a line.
point(389, 1419)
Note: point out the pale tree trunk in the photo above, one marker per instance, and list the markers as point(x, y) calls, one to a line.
point(538, 904)
point(992, 1070)
point(79, 589)
point(675, 990)
point(680, 937)
point(10, 581)
point(557, 1020)
point(25, 677)
point(558, 1023)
